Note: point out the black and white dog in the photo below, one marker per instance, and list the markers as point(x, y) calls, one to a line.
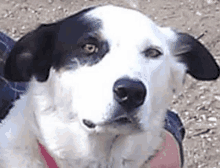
point(100, 83)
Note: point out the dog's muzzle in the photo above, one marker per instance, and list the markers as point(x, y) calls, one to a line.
point(129, 94)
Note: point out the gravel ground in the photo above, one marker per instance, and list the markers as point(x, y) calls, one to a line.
point(199, 102)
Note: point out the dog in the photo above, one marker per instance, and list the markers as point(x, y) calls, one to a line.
point(99, 85)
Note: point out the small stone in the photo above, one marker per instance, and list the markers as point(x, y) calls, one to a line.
point(5, 15)
point(209, 139)
point(217, 104)
point(50, 1)
point(198, 13)
point(14, 30)
point(213, 119)
point(217, 97)
point(203, 116)
point(210, 1)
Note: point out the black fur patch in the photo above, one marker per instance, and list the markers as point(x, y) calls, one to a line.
point(55, 45)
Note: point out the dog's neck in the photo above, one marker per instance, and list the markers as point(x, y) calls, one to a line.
point(99, 155)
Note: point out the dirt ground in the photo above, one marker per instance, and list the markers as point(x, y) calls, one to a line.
point(198, 104)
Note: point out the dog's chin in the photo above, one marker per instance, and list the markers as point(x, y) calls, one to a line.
point(120, 123)
point(116, 128)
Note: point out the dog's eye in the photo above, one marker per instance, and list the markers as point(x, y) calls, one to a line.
point(90, 48)
point(152, 53)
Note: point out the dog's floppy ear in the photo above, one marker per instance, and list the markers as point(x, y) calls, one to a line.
point(200, 63)
point(31, 55)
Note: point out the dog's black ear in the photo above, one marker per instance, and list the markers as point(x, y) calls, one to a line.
point(31, 55)
point(200, 63)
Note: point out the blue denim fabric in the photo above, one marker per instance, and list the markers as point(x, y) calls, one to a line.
point(9, 91)
point(174, 125)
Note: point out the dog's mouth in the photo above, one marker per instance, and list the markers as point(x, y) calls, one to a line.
point(122, 120)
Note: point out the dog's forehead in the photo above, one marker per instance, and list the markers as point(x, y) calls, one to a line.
point(122, 23)
point(119, 16)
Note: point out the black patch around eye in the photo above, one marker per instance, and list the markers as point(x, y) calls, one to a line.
point(87, 44)
point(78, 56)
point(152, 53)
point(73, 34)
point(90, 59)
point(90, 49)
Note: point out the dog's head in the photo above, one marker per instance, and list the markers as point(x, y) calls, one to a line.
point(108, 66)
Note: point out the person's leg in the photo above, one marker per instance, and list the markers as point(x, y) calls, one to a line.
point(174, 125)
point(9, 91)
point(6, 44)
point(171, 154)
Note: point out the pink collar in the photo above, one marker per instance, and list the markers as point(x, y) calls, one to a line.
point(48, 160)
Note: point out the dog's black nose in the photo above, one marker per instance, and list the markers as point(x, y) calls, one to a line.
point(129, 93)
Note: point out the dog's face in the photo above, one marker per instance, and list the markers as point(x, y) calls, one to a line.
point(109, 69)
point(104, 49)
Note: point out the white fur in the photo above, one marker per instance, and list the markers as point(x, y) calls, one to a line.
point(52, 112)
